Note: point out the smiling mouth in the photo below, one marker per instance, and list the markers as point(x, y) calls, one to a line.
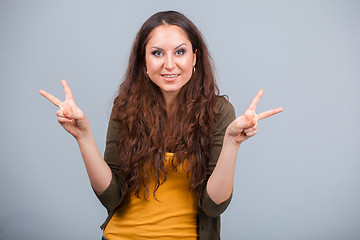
point(170, 77)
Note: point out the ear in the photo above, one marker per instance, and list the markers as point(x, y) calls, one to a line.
point(194, 58)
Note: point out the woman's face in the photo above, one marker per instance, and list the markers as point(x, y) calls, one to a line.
point(169, 58)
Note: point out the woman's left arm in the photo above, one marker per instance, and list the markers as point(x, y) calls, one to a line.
point(220, 183)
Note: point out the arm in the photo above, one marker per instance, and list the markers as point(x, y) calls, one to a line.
point(220, 183)
point(115, 192)
point(75, 122)
point(98, 171)
point(226, 115)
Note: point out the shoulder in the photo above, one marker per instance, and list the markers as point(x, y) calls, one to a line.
point(225, 112)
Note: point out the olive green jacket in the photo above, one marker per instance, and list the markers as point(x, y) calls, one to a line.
point(209, 212)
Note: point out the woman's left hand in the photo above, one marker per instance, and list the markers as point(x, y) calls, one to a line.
point(245, 126)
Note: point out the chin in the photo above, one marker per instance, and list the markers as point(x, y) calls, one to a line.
point(170, 90)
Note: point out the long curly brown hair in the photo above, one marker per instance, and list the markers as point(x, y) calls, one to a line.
point(147, 132)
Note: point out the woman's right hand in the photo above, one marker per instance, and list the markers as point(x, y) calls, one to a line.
point(69, 115)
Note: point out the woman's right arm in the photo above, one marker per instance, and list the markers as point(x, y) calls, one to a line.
point(73, 120)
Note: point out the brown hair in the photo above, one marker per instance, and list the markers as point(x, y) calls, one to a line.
point(145, 134)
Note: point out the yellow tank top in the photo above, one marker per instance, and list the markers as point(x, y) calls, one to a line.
point(172, 216)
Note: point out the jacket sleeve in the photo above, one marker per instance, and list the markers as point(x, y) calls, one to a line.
point(114, 194)
point(226, 116)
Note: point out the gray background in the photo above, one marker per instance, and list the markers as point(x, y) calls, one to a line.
point(297, 179)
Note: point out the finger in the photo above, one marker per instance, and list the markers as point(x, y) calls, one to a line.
point(71, 112)
point(50, 97)
point(64, 120)
point(247, 130)
point(270, 113)
point(249, 117)
point(250, 134)
point(246, 121)
point(60, 113)
point(256, 99)
point(68, 93)
point(67, 110)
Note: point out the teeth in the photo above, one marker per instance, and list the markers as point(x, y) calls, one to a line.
point(170, 76)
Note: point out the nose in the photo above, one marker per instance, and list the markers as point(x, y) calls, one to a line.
point(169, 62)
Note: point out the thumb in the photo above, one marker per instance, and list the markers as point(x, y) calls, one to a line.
point(247, 120)
point(65, 110)
point(77, 114)
point(73, 112)
point(69, 111)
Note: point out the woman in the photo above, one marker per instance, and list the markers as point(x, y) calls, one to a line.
point(172, 141)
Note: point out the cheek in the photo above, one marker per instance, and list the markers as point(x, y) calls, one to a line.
point(153, 65)
point(186, 64)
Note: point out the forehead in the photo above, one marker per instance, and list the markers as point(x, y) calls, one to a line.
point(167, 36)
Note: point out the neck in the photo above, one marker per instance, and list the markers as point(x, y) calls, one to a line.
point(170, 101)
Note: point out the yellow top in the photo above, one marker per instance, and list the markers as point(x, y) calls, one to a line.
point(172, 216)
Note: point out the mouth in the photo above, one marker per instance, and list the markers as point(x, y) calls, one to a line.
point(170, 77)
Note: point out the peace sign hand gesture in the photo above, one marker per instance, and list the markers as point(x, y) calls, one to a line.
point(69, 115)
point(245, 126)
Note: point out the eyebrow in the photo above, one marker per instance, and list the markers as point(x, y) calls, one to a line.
point(174, 49)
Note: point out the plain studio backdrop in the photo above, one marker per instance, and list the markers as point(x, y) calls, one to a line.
point(298, 178)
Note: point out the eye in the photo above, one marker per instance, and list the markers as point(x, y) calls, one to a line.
point(157, 53)
point(180, 52)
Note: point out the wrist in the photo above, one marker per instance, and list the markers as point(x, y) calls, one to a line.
point(84, 130)
point(84, 136)
point(230, 140)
